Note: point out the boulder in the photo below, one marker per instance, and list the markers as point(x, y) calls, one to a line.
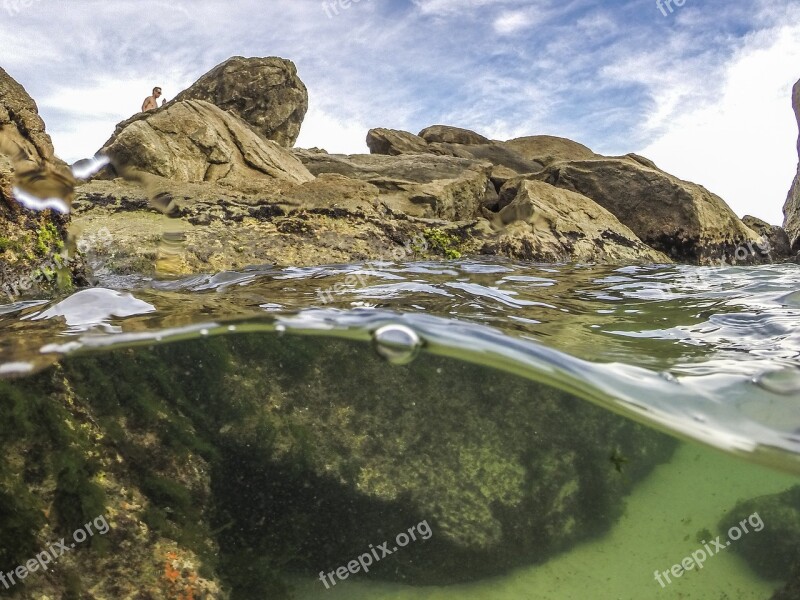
point(393, 142)
point(240, 461)
point(195, 141)
point(541, 222)
point(775, 551)
point(791, 209)
point(32, 164)
point(452, 135)
point(266, 93)
point(496, 153)
point(775, 240)
point(21, 123)
point(682, 219)
point(548, 149)
point(442, 187)
point(32, 244)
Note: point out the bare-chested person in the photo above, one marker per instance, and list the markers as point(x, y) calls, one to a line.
point(151, 102)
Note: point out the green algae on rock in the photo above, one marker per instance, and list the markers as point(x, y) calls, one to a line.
point(33, 244)
point(211, 450)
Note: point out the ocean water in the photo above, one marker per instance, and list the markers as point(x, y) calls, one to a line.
point(424, 386)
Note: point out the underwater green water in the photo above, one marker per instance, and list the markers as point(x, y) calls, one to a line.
point(678, 500)
point(564, 431)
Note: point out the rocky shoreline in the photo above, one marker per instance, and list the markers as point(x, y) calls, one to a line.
point(219, 474)
point(219, 161)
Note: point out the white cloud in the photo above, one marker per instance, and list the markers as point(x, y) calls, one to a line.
point(741, 146)
point(323, 130)
point(510, 22)
point(449, 7)
point(513, 21)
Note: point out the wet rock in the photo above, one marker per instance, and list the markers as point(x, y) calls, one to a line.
point(266, 93)
point(134, 487)
point(240, 462)
point(681, 219)
point(775, 240)
point(773, 552)
point(331, 219)
point(792, 207)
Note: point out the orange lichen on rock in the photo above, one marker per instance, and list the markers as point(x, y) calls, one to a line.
point(180, 578)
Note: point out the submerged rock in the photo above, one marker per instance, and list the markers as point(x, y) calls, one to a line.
point(291, 454)
point(772, 551)
point(792, 207)
point(266, 93)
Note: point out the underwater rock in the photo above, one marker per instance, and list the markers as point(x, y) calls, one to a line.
point(289, 454)
point(774, 551)
point(66, 463)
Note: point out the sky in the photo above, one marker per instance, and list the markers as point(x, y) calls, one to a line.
point(703, 89)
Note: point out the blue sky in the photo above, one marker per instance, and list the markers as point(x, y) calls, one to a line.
point(703, 90)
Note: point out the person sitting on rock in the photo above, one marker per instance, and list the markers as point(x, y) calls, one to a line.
point(151, 102)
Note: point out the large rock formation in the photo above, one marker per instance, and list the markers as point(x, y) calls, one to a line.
point(545, 221)
point(442, 187)
point(792, 207)
point(32, 244)
point(266, 93)
point(218, 175)
point(775, 240)
point(452, 135)
point(453, 141)
point(548, 149)
point(681, 219)
point(194, 141)
point(393, 142)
